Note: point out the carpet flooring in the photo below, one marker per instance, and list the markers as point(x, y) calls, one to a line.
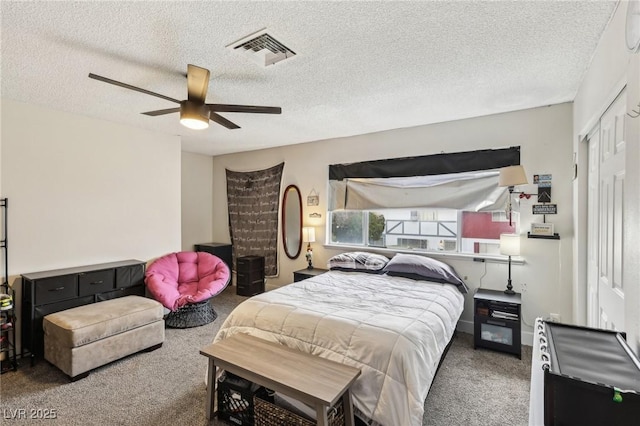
point(166, 386)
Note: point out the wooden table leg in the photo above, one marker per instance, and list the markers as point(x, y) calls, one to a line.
point(347, 406)
point(321, 415)
point(211, 390)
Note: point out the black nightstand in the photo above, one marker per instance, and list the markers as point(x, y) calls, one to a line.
point(303, 274)
point(496, 319)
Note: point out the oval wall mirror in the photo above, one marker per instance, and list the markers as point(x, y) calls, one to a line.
point(292, 221)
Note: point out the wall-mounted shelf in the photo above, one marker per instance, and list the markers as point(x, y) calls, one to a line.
point(555, 236)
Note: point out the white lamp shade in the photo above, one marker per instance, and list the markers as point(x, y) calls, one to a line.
point(309, 234)
point(512, 176)
point(510, 244)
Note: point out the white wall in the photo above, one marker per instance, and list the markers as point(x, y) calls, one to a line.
point(84, 191)
point(612, 67)
point(544, 135)
point(197, 190)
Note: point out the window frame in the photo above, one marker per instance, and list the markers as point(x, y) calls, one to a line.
point(476, 257)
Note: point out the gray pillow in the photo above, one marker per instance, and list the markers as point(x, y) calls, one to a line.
point(358, 261)
point(424, 268)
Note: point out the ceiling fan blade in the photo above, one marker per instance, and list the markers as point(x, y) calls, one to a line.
point(128, 86)
point(162, 111)
point(244, 108)
point(221, 120)
point(197, 83)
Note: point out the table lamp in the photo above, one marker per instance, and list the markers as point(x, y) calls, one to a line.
point(309, 236)
point(510, 245)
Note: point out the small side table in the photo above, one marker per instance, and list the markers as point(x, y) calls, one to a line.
point(497, 321)
point(318, 382)
point(305, 273)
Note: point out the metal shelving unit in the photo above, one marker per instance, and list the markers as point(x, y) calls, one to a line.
point(8, 356)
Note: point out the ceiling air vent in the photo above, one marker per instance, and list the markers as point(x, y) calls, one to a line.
point(262, 48)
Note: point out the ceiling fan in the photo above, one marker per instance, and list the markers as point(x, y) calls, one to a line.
point(194, 112)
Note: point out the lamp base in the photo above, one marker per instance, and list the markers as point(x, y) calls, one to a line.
point(309, 257)
point(509, 289)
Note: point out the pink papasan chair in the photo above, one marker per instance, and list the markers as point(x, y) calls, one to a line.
point(184, 282)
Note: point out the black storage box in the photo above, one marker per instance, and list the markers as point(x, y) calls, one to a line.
point(593, 379)
point(235, 399)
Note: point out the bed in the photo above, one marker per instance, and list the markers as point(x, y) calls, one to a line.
point(395, 329)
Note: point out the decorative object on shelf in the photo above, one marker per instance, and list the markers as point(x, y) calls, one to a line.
point(510, 245)
point(510, 177)
point(309, 236)
point(541, 229)
point(315, 215)
point(313, 199)
point(6, 302)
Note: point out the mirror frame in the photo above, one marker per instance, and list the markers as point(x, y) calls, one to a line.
point(285, 197)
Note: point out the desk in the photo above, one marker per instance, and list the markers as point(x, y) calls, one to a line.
point(316, 381)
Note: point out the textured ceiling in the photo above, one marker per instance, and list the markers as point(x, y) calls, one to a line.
point(360, 67)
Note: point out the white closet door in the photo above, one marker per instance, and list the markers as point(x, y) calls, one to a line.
point(593, 228)
point(610, 213)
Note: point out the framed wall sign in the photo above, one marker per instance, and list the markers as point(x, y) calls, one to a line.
point(313, 199)
point(542, 229)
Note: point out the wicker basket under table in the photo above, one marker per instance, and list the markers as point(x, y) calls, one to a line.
point(268, 414)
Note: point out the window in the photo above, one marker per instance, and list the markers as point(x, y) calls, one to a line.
point(448, 202)
point(433, 229)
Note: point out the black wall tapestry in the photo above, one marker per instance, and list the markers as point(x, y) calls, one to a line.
point(253, 202)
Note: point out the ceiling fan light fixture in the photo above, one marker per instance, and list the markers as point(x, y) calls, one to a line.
point(194, 115)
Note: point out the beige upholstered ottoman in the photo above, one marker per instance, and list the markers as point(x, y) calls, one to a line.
point(80, 339)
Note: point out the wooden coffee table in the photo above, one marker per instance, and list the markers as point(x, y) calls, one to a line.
point(316, 381)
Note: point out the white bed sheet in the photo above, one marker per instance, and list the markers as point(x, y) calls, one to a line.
point(394, 329)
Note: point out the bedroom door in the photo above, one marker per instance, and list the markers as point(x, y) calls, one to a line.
point(605, 217)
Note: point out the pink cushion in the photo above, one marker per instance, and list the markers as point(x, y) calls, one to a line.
point(186, 277)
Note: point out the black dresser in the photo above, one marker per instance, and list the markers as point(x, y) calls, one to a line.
point(46, 292)
point(221, 250)
point(250, 275)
